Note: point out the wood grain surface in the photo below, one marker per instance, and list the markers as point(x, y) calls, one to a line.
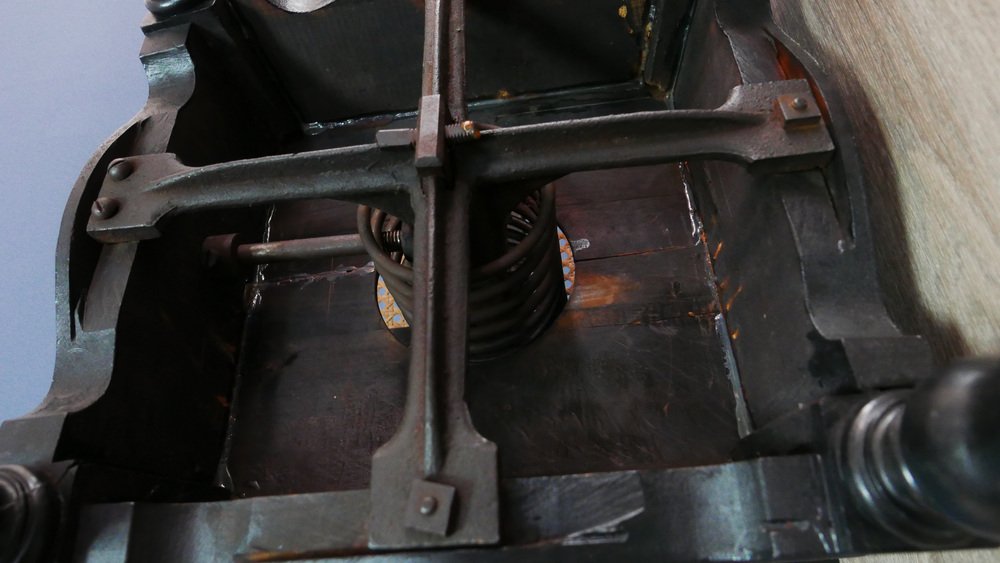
point(923, 81)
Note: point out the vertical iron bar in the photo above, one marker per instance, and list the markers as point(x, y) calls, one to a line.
point(424, 369)
point(435, 482)
point(425, 342)
point(435, 29)
point(456, 61)
point(430, 145)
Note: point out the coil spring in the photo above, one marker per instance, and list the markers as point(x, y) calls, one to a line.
point(512, 299)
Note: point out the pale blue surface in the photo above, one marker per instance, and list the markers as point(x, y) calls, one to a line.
point(69, 77)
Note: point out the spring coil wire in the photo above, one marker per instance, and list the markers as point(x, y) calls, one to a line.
point(512, 299)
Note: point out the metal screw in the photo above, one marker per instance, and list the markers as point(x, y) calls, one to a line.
point(104, 208)
point(428, 505)
point(464, 131)
point(800, 104)
point(121, 169)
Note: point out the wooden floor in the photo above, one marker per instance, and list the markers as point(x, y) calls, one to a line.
point(322, 385)
point(924, 82)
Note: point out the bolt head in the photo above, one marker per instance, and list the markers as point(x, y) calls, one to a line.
point(120, 169)
point(104, 208)
point(428, 505)
point(800, 104)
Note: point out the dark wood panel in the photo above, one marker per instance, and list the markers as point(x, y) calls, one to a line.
point(607, 398)
point(322, 387)
point(641, 289)
point(618, 228)
point(313, 218)
point(619, 184)
point(624, 211)
point(363, 57)
point(631, 375)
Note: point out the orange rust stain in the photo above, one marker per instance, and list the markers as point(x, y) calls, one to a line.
point(623, 12)
point(273, 556)
point(718, 250)
point(792, 69)
point(735, 334)
point(724, 284)
point(570, 319)
point(729, 304)
point(264, 556)
point(504, 94)
point(595, 291)
point(692, 314)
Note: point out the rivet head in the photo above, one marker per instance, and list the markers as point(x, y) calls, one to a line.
point(104, 208)
point(800, 104)
point(120, 169)
point(428, 505)
point(168, 7)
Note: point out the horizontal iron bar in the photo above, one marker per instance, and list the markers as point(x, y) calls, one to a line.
point(749, 128)
point(752, 127)
point(160, 185)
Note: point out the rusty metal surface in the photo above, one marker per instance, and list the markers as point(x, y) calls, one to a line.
point(161, 186)
point(747, 128)
point(744, 129)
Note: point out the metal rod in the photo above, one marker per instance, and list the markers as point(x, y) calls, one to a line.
point(436, 455)
point(428, 308)
point(300, 249)
point(456, 61)
point(162, 186)
point(435, 41)
point(229, 248)
point(746, 129)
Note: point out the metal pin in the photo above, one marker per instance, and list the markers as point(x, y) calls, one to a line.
point(104, 208)
point(120, 169)
point(428, 505)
